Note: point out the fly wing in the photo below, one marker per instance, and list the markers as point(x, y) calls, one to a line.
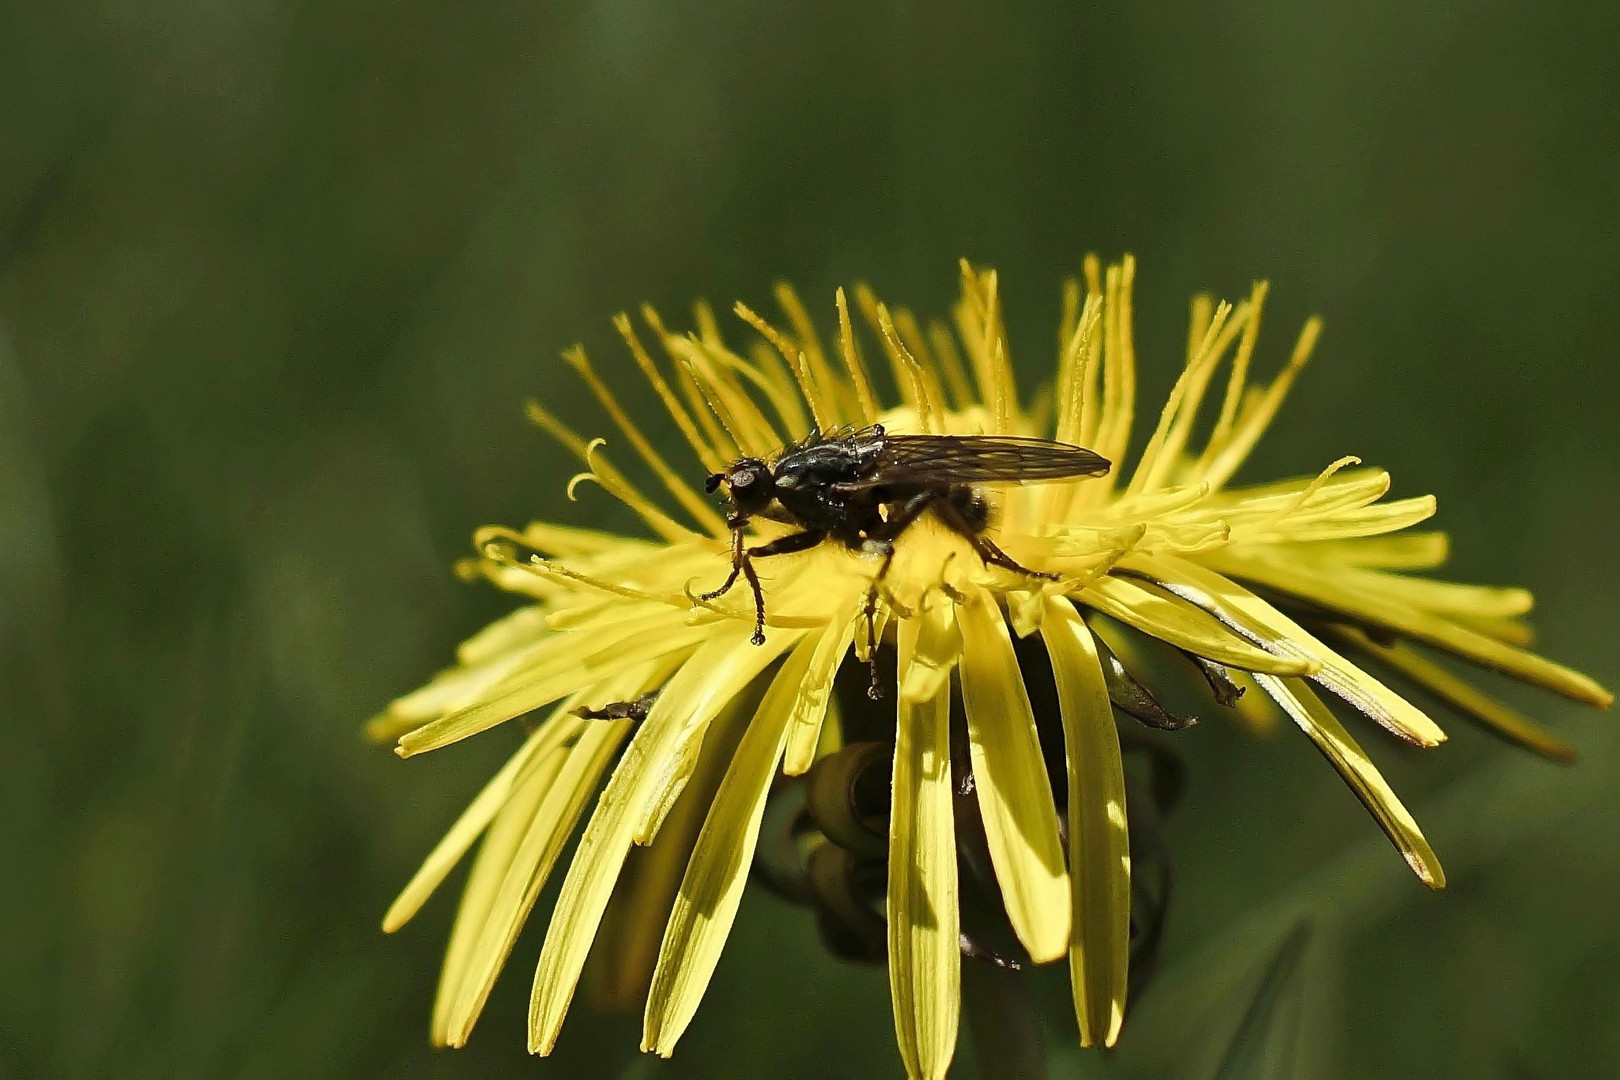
point(978, 459)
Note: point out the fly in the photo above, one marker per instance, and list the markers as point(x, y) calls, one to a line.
point(864, 488)
point(635, 709)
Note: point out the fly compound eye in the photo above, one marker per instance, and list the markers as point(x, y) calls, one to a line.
point(749, 482)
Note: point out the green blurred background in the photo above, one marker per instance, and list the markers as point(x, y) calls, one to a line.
point(275, 277)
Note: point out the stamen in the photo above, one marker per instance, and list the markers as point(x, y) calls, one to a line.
point(1254, 424)
point(716, 369)
point(725, 447)
point(911, 335)
point(1127, 335)
point(1171, 458)
point(1004, 396)
point(506, 547)
point(1119, 372)
point(950, 362)
point(1072, 370)
point(770, 375)
point(903, 381)
point(609, 477)
point(1310, 489)
point(822, 407)
point(804, 328)
point(1198, 319)
point(1240, 372)
point(978, 323)
point(708, 384)
point(1153, 463)
point(927, 402)
point(1092, 410)
point(850, 350)
point(1068, 320)
point(689, 499)
point(700, 446)
point(708, 327)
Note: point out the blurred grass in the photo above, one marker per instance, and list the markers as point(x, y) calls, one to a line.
point(275, 278)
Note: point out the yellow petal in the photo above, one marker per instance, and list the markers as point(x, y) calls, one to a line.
point(484, 881)
point(525, 626)
point(560, 728)
point(549, 829)
point(1513, 631)
point(1015, 796)
point(707, 903)
point(555, 670)
point(1099, 844)
point(1460, 695)
point(1401, 551)
point(619, 971)
point(1448, 598)
point(452, 689)
point(585, 892)
point(1347, 524)
point(1330, 737)
point(1183, 627)
point(1258, 620)
point(1423, 626)
point(810, 706)
point(925, 953)
point(715, 674)
point(938, 647)
point(645, 783)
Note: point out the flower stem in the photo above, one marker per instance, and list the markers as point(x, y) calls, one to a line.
point(1006, 1035)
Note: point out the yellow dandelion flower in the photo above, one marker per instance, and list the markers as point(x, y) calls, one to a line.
point(659, 701)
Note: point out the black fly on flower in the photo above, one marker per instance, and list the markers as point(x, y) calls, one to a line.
point(909, 535)
point(864, 488)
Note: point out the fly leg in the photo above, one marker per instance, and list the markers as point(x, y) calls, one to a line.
point(882, 537)
point(960, 520)
point(874, 689)
point(738, 556)
point(743, 563)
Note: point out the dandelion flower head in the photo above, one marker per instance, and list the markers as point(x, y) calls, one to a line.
point(1280, 596)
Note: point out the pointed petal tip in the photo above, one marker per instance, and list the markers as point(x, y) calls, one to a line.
point(1559, 752)
point(1433, 877)
point(1426, 865)
point(380, 728)
point(1049, 952)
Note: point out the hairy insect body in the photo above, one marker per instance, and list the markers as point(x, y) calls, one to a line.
point(816, 488)
point(821, 489)
point(865, 488)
